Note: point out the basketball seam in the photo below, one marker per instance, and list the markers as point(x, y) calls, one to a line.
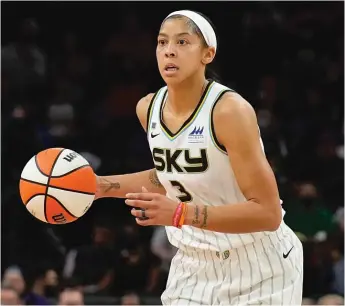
point(56, 187)
point(57, 200)
point(63, 206)
point(46, 193)
point(38, 167)
point(36, 194)
point(76, 169)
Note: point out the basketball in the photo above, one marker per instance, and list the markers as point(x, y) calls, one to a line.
point(57, 186)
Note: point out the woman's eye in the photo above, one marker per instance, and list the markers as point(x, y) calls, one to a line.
point(181, 42)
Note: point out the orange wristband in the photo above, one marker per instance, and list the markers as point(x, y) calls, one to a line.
point(183, 216)
point(178, 214)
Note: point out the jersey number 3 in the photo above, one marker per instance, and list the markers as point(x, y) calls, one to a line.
point(184, 196)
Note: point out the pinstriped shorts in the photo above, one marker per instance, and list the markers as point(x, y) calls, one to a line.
point(255, 274)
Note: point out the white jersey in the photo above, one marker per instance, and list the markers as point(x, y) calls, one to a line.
point(193, 167)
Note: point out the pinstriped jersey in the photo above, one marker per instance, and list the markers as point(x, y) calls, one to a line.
point(193, 167)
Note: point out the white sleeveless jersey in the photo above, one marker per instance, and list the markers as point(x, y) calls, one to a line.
point(193, 167)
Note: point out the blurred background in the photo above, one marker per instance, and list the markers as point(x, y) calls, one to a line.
point(72, 74)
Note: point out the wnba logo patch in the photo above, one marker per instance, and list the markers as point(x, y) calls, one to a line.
point(196, 135)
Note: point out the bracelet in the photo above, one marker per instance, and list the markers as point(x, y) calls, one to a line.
point(183, 217)
point(178, 214)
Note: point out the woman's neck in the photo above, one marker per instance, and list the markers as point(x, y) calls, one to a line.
point(186, 95)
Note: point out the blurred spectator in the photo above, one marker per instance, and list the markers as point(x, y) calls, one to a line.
point(318, 274)
point(309, 206)
point(23, 63)
point(14, 278)
point(51, 283)
point(337, 251)
point(130, 235)
point(331, 299)
point(72, 64)
point(98, 277)
point(164, 250)
point(61, 112)
point(308, 301)
point(36, 293)
point(339, 219)
point(71, 296)
point(129, 62)
point(338, 270)
point(332, 166)
point(137, 270)
point(130, 299)
point(9, 296)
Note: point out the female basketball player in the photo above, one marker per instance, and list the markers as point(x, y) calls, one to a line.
point(212, 186)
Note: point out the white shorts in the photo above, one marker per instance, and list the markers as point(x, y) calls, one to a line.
point(255, 274)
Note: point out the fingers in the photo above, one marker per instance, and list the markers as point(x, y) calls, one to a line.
point(138, 203)
point(146, 196)
point(144, 222)
point(143, 201)
point(139, 214)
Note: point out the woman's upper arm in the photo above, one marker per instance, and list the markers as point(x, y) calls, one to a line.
point(237, 130)
point(142, 109)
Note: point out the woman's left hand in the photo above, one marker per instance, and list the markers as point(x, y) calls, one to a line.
point(158, 209)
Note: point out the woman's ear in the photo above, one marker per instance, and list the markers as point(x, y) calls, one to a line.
point(208, 55)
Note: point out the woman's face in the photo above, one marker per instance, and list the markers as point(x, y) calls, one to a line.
point(181, 52)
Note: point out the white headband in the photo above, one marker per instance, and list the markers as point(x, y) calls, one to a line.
point(203, 25)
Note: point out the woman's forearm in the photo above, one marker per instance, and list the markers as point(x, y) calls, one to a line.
point(118, 186)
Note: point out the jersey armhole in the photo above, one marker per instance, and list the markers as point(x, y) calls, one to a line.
point(215, 141)
point(149, 111)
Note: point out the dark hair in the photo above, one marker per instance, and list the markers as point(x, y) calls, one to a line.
point(210, 71)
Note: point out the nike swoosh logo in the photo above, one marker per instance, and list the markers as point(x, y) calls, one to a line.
point(153, 136)
point(287, 254)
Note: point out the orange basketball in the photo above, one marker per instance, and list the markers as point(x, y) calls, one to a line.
point(57, 186)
